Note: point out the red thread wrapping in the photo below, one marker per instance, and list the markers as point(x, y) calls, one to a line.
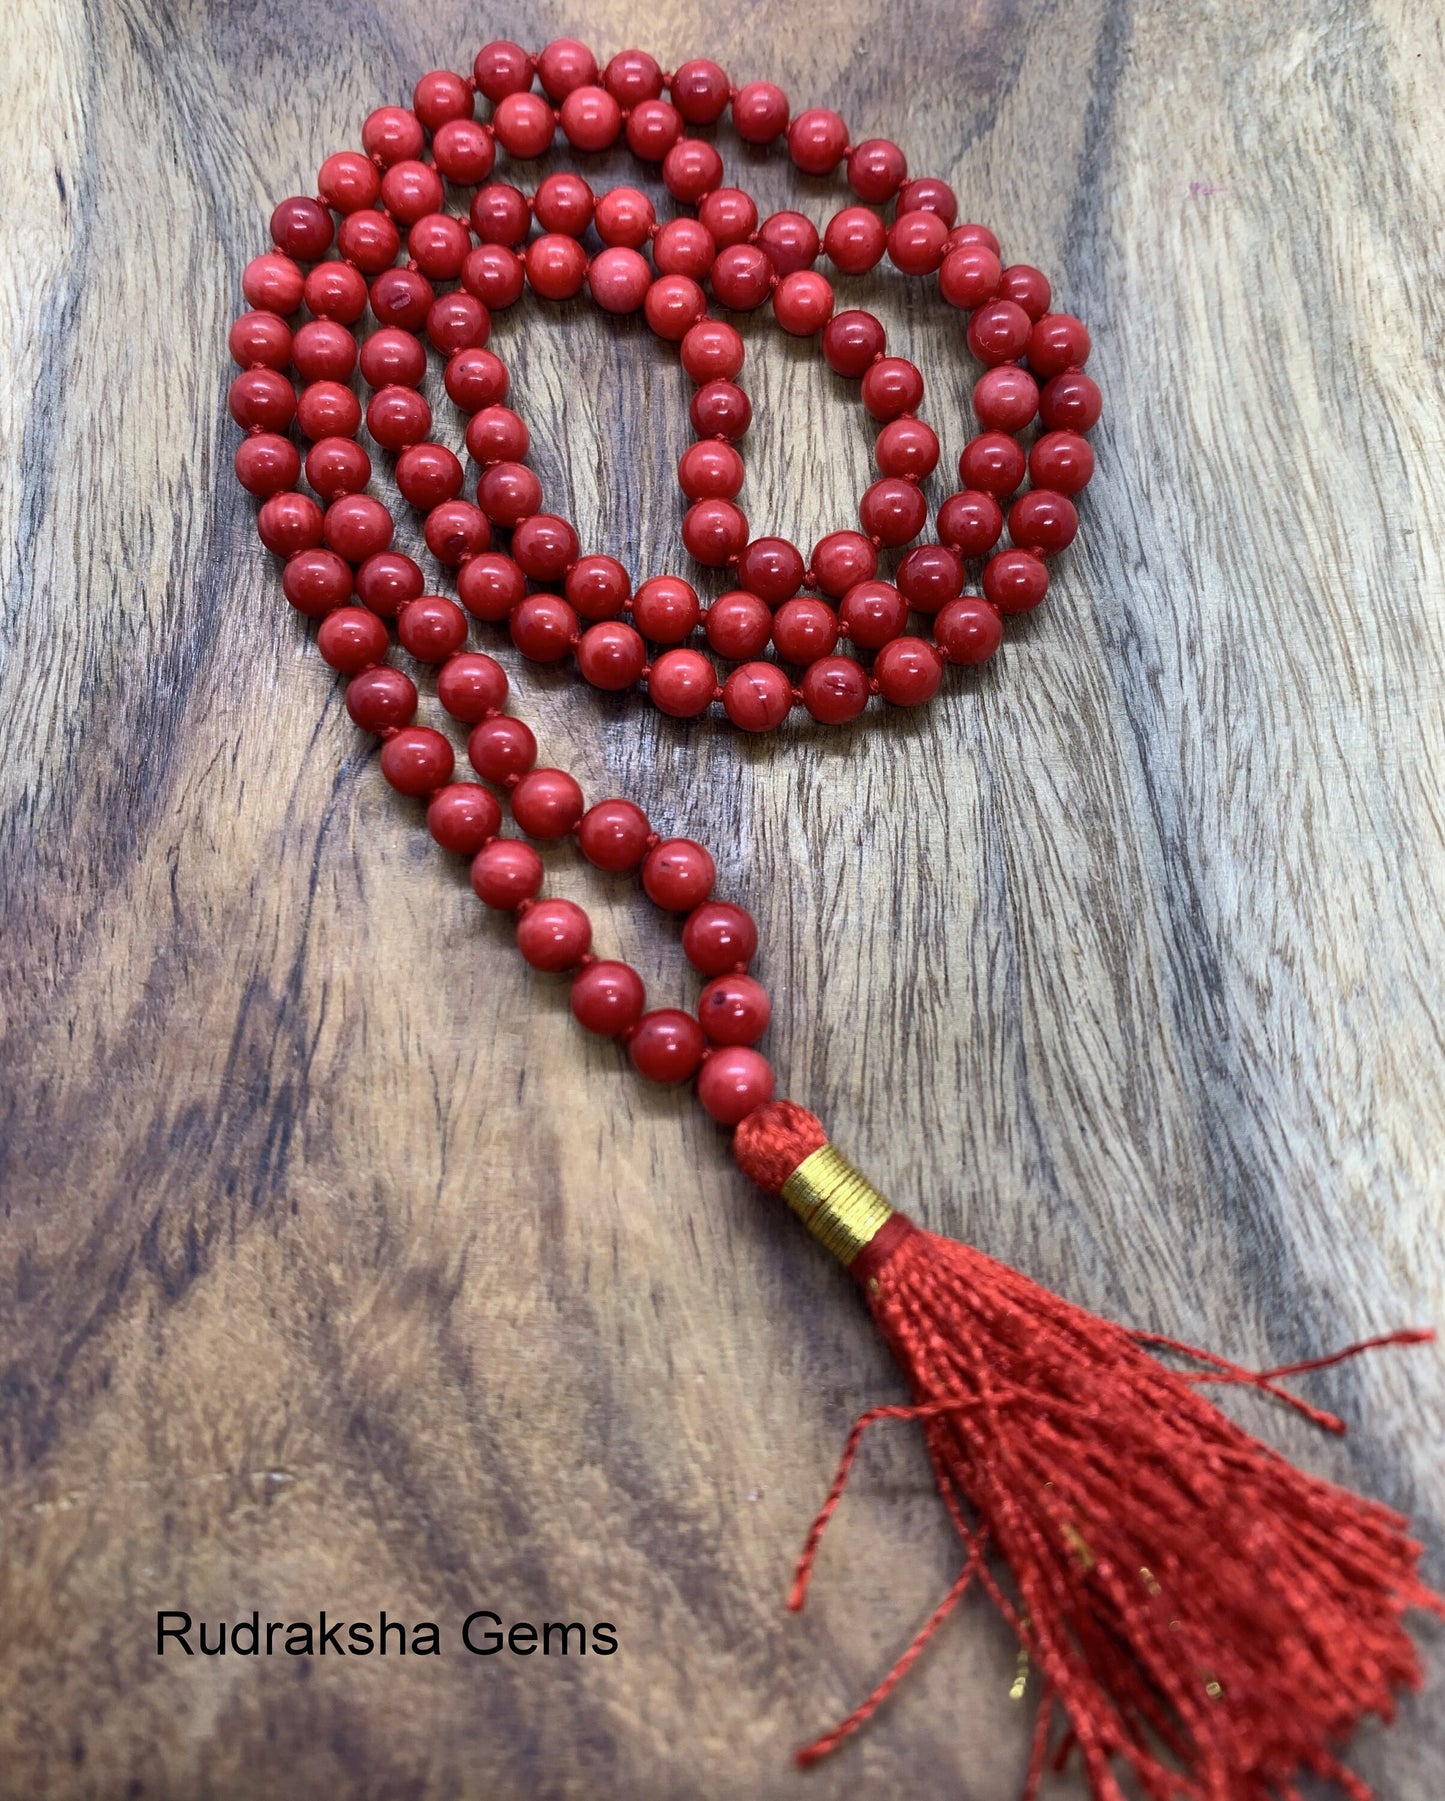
point(1205, 1617)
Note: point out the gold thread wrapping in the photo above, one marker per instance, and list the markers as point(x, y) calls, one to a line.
point(842, 1209)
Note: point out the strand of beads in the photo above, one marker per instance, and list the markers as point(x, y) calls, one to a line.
point(337, 256)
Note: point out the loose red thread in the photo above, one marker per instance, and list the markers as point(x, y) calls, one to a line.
point(1205, 1617)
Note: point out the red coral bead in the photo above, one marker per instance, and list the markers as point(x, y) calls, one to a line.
point(699, 91)
point(613, 835)
point(1063, 461)
point(432, 628)
point(625, 218)
point(665, 609)
point(352, 639)
point(370, 240)
point(494, 274)
point(804, 630)
point(738, 625)
point(891, 387)
point(719, 937)
point(1043, 521)
point(608, 998)
point(757, 697)
point(907, 447)
point(337, 466)
point(852, 342)
point(720, 409)
point(326, 409)
point(1006, 399)
point(933, 574)
point(416, 760)
point(760, 112)
point(545, 546)
point(591, 119)
point(544, 628)
point(915, 242)
point(336, 291)
point(618, 279)
point(790, 242)
point(502, 68)
point(502, 748)
point(500, 214)
point(524, 125)
point(712, 350)
point(771, 568)
point(440, 96)
point(971, 522)
point(495, 434)
point(554, 935)
point(267, 464)
point(348, 181)
point(410, 191)
point(842, 558)
point(387, 581)
point(261, 340)
point(611, 656)
point(289, 522)
point(968, 630)
point(273, 282)
point(322, 350)
point(564, 203)
point(999, 332)
point(691, 169)
point(391, 357)
point(733, 1082)
point(509, 493)
point(855, 240)
point(734, 1009)
point(489, 585)
point(742, 277)
point(381, 700)
point(471, 686)
point(597, 587)
point(428, 474)
point(928, 195)
point(505, 873)
point(1058, 341)
point(992, 463)
point(465, 151)
point(817, 140)
point(873, 613)
point(666, 1045)
point(455, 531)
point(457, 321)
point(803, 303)
point(1026, 287)
point(463, 816)
point(908, 671)
point(391, 134)
point(565, 64)
point(633, 75)
point(714, 532)
point(729, 216)
point(893, 510)
point(674, 304)
point(476, 378)
point(684, 247)
point(969, 276)
point(678, 874)
point(547, 803)
point(357, 527)
point(397, 416)
point(710, 469)
point(402, 297)
point(835, 690)
point(1070, 402)
point(682, 683)
point(653, 127)
point(262, 399)
point(877, 169)
point(1015, 580)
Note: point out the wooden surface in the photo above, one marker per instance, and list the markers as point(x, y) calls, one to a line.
point(339, 1273)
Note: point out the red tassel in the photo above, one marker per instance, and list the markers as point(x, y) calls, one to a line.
point(1205, 1616)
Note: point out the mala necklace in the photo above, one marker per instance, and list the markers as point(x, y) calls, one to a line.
point(1202, 1615)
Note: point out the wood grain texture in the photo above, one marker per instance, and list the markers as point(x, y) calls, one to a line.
point(337, 1271)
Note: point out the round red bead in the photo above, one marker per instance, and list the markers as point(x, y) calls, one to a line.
point(733, 1082)
point(502, 748)
point(613, 835)
point(666, 1045)
point(682, 683)
point(872, 613)
point(608, 998)
point(835, 690)
point(1015, 580)
point(547, 803)
point(416, 760)
point(757, 697)
point(734, 1009)
point(505, 873)
point(470, 686)
point(554, 935)
point(678, 874)
point(381, 699)
point(968, 630)
point(719, 937)
point(463, 816)
point(611, 655)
